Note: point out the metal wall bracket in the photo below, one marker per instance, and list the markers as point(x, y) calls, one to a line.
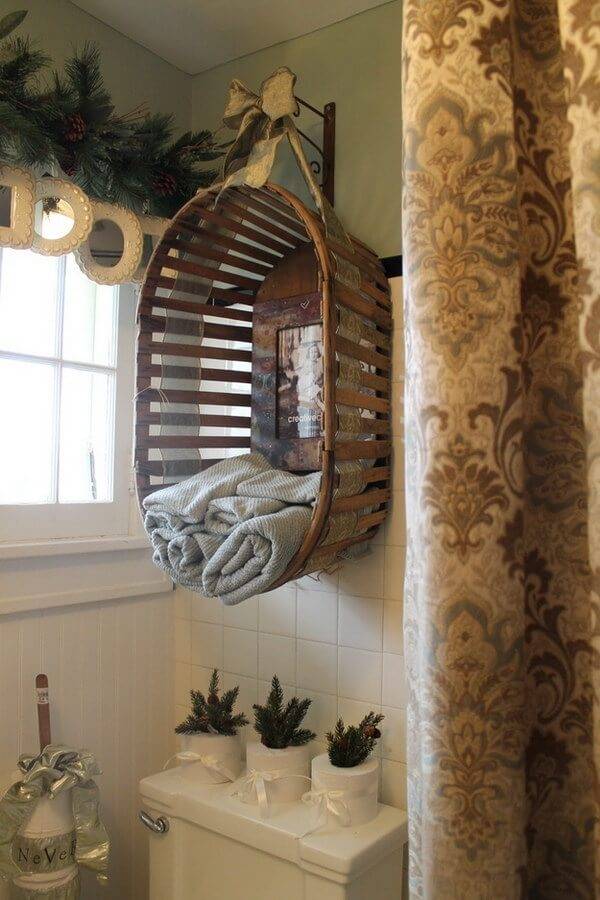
point(325, 167)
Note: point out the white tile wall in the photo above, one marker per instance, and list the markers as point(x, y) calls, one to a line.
point(337, 639)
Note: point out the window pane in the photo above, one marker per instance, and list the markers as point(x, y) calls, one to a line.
point(28, 302)
point(26, 448)
point(86, 436)
point(89, 327)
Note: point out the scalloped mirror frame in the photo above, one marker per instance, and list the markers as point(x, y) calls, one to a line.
point(82, 216)
point(127, 266)
point(19, 234)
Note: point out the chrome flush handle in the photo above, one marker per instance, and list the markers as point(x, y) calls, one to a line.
point(160, 825)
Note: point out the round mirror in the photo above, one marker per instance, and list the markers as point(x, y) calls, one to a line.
point(106, 243)
point(54, 218)
point(113, 250)
point(63, 217)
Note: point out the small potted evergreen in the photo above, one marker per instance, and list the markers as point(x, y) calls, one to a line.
point(348, 767)
point(283, 752)
point(209, 744)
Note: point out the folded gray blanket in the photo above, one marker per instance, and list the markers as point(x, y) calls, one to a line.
point(230, 531)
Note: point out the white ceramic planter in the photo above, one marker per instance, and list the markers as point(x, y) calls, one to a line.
point(287, 770)
point(210, 758)
point(359, 787)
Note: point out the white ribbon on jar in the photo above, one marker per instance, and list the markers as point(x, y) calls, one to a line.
point(256, 782)
point(327, 801)
point(213, 763)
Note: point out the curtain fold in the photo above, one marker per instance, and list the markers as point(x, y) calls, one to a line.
point(501, 229)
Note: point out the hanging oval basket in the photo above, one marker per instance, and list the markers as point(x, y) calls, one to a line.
point(257, 331)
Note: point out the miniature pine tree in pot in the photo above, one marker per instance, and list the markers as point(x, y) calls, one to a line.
point(283, 750)
point(349, 771)
point(213, 714)
point(210, 748)
point(279, 725)
point(348, 747)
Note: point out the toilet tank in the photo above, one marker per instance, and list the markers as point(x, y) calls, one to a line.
point(218, 848)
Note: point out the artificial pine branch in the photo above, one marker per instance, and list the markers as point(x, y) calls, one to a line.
point(348, 747)
point(213, 714)
point(132, 160)
point(279, 725)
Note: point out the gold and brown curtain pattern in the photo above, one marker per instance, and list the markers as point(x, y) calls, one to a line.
point(502, 627)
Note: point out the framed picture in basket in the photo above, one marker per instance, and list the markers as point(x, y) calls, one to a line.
point(287, 366)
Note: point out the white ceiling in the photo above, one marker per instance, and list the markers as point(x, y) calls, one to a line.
point(196, 35)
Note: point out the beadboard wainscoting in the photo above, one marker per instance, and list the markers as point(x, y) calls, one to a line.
point(337, 639)
point(111, 687)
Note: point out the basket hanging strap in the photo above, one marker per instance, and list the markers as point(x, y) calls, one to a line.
point(55, 769)
point(261, 121)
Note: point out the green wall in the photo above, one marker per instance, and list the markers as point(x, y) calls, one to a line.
point(133, 74)
point(357, 63)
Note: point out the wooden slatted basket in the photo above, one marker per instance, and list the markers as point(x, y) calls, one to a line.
point(197, 386)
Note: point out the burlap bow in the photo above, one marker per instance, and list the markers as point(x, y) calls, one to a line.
point(261, 121)
point(55, 769)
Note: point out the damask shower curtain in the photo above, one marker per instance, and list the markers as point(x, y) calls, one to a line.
point(502, 293)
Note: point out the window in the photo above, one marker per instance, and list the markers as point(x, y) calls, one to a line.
point(66, 351)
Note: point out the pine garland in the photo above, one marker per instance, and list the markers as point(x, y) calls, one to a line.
point(213, 714)
point(279, 725)
point(69, 121)
point(348, 747)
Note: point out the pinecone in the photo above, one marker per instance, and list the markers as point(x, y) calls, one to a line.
point(164, 184)
point(69, 167)
point(371, 732)
point(75, 128)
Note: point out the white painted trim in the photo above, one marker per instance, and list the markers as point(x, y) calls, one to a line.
point(73, 546)
point(84, 595)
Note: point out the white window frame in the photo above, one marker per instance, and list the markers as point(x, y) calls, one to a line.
point(65, 521)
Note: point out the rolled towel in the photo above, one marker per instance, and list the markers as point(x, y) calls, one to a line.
point(276, 484)
point(175, 516)
point(183, 556)
point(185, 503)
point(226, 513)
point(255, 554)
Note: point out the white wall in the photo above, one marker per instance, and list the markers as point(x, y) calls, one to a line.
point(110, 677)
point(337, 639)
point(110, 663)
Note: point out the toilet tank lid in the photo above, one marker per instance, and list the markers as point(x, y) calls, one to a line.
point(340, 854)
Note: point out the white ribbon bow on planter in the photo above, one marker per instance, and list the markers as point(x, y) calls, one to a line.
point(327, 801)
point(257, 781)
point(210, 762)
